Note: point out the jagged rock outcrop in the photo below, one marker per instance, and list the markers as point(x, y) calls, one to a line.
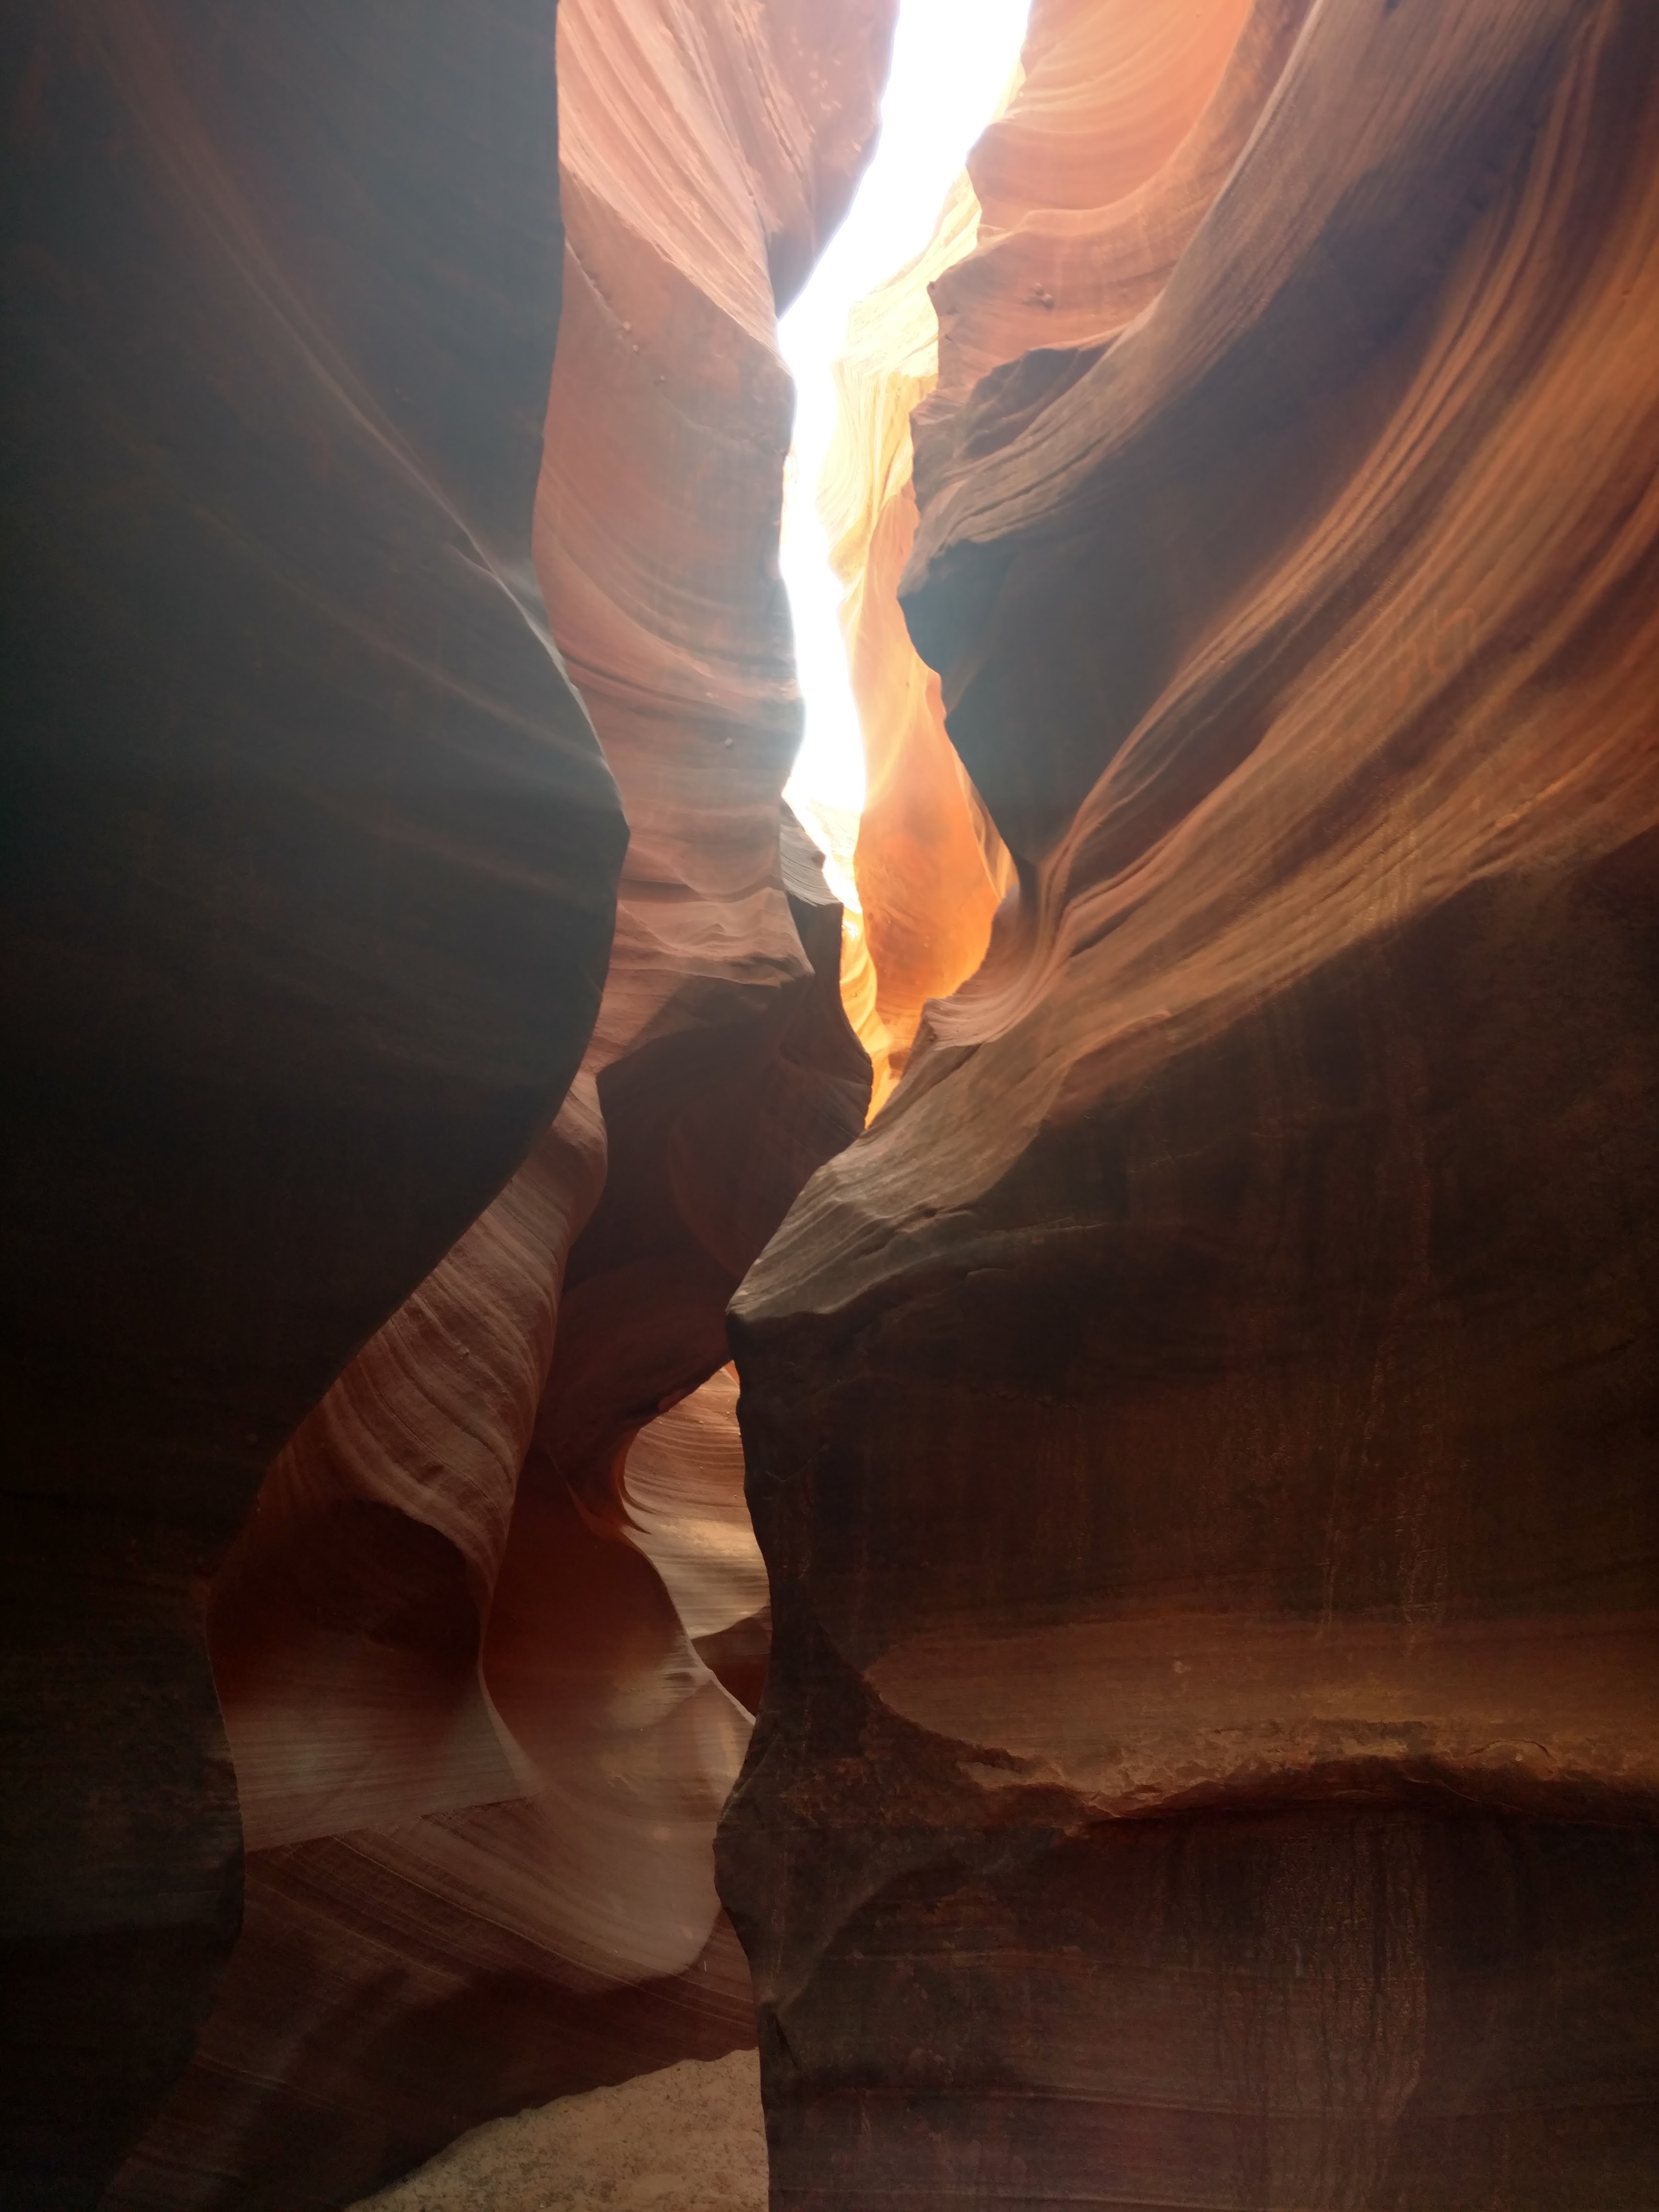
point(483, 1684)
point(309, 880)
point(1203, 1437)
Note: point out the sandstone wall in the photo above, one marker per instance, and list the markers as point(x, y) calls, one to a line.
point(1202, 1436)
point(310, 870)
point(485, 1689)
point(929, 866)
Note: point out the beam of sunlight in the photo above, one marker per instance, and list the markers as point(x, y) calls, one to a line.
point(951, 59)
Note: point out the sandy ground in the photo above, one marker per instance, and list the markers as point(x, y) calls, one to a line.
point(688, 2139)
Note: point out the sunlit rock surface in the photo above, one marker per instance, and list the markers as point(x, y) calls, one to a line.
point(1126, 124)
point(1203, 1437)
point(930, 868)
point(705, 151)
point(310, 867)
point(487, 1683)
point(683, 1496)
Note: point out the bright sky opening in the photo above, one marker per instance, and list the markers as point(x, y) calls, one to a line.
point(951, 59)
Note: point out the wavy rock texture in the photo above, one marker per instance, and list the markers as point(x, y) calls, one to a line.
point(1202, 1436)
point(485, 1646)
point(311, 863)
point(706, 150)
point(1118, 131)
point(1126, 125)
point(930, 868)
point(685, 1509)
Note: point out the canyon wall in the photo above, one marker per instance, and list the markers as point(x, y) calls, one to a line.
point(489, 1644)
point(313, 878)
point(1202, 1438)
point(310, 870)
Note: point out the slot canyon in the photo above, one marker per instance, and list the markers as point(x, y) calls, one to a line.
point(995, 1468)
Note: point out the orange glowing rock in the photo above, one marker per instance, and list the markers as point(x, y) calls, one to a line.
point(1117, 131)
point(929, 866)
point(1202, 1436)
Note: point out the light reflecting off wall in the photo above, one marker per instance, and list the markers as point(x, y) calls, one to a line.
point(952, 60)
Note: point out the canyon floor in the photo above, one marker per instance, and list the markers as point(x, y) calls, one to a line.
point(687, 2139)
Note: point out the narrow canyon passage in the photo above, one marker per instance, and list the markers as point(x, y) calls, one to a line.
point(899, 1451)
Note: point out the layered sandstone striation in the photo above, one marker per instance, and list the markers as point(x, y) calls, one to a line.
point(1125, 123)
point(929, 866)
point(489, 1643)
point(1202, 1436)
point(309, 884)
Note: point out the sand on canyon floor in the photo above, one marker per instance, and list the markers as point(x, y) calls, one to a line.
point(688, 2139)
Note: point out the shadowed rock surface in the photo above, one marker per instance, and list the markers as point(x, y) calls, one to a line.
point(483, 1742)
point(310, 865)
point(1202, 1438)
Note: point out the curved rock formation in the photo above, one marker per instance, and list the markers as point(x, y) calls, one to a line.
point(483, 1740)
point(345, 1624)
point(311, 861)
point(1202, 1436)
point(705, 151)
point(929, 866)
point(1127, 123)
point(682, 1494)
point(1118, 131)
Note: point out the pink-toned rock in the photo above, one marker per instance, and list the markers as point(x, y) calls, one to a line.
point(930, 867)
point(1124, 128)
point(484, 1753)
point(1202, 1436)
